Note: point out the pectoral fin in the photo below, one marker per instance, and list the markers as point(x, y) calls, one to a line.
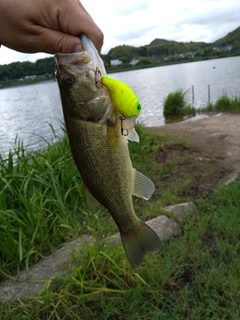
point(143, 186)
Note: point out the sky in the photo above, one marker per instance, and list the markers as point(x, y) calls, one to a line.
point(138, 22)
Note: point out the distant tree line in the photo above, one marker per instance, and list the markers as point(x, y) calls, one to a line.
point(159, 51)
point(18, 70)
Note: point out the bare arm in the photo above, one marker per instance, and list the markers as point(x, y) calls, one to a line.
point(46, 26)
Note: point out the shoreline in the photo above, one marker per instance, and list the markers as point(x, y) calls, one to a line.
point(218, 135)
point(118, 70)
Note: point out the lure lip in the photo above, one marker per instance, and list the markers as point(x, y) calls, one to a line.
point(128, 123)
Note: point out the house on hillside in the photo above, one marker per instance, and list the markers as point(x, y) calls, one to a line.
point(168, 58)
point(134, 62)
point(115, 62)
point(191, 54)
point(225, 48)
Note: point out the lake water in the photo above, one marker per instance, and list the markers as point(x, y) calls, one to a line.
point(26, 111)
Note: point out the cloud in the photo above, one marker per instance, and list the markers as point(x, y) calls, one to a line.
point(212, 14)
point(129, 7)
point(138, 22)
point(7, 56)
point(205, 21)
point(132, 34)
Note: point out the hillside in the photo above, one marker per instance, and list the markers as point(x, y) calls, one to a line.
point(232, 38)
point(161, 41)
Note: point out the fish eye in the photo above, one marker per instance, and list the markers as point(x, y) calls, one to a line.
point(68, 80)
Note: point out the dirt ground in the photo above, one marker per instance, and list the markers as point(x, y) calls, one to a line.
point(213, 159)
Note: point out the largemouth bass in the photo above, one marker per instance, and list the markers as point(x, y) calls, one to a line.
point(100, 149)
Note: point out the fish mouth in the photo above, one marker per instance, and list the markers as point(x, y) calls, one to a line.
point(69, 58)
point(78, 62)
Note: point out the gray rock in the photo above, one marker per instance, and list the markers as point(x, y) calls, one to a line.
point(229, 179)
point(182, 209)
point(31, 283)
point(164, 227)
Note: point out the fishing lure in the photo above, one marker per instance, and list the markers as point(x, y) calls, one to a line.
point(123, 97)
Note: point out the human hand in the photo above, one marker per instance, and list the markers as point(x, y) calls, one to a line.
point(48, 26)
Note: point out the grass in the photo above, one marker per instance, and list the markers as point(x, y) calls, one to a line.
point(195, 276)
point(175, 104)
point(224, 104)
point(42, 203)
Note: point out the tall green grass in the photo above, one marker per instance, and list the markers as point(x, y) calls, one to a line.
point(37, 209)
point(224, 104)
point(42, 205)
point(176, 104)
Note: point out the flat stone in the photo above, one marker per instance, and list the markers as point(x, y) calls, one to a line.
point(164, 227)
point(31, 283)
point(229, 179)
point(182, 209)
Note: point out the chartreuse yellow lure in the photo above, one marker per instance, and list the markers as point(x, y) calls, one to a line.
point(123, 97)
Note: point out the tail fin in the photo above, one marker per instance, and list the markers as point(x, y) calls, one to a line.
point(139, 243)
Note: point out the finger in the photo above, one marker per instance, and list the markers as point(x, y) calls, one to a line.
point(58, 42)
point(95, 35)
point(50, 41)
point(91, 29)
point(79, 22)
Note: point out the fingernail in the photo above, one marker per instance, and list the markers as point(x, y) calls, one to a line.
point(78, 48)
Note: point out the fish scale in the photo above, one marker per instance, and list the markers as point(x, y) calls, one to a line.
point(106, 181)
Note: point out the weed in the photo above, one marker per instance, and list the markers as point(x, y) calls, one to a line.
point(175, 104)
point(223, 104)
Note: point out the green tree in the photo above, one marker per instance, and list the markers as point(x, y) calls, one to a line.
point(144, 61)
point(124, 53)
